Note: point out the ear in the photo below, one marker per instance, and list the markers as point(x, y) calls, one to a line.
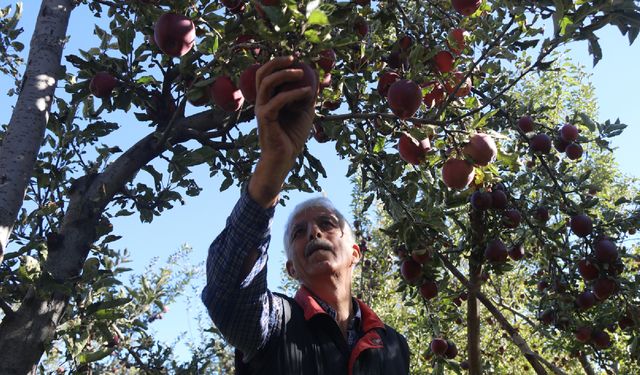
point(356, 255)
point(291, 270)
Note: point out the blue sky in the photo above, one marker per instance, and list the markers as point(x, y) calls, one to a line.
point(615, 78)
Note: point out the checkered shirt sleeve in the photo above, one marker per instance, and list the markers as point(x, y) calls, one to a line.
point(244, 310)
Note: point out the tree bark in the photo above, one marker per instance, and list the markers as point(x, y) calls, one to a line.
point(515, 337)
point(28, 122)
point(25, 335)
point(473, 316)
point(586, 366)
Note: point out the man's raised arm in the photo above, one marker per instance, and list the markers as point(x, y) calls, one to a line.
point(236, 293)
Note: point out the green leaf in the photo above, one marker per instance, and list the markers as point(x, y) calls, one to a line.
point(312, 36)
point(104, 305)
point(84, 358)
point(318, 17)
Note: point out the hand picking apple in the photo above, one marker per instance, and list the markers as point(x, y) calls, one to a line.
point(285, 98)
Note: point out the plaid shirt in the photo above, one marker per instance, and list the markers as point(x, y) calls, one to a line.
point(244, 310)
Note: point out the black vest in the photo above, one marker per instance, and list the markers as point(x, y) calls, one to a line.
point(317, 347)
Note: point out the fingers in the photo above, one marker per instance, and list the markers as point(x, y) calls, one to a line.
point(277, 102)
point(273, 65)
point(269, 83)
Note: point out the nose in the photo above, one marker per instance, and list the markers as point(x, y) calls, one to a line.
point(314, 231)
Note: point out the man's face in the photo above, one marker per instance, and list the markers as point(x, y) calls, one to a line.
point(319, 246)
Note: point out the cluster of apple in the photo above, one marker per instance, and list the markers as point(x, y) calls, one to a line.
point(411, 269)
point(443, 348)
point(598, 271)
point(565, 141)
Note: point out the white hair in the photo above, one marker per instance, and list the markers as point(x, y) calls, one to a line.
point(322, 202)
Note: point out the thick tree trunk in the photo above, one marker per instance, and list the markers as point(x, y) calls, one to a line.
point(473, 316)
point(28, 121)
point(25, 335)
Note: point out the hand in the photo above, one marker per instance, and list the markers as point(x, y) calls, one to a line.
point(281, 138)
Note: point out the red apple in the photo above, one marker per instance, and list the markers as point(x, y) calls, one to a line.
point(568, 133)
point(404, 98)
point(605, 251)
point(436, 96)
point(511, 218)
point(429, 289)
point(573, 151)
point(439, 346)
point(225, 94)
point(327, 60)
point(443, 61)
point(560, 145)
point(102, 84)
point(458, 79)
point(248, 83)
point(495, 251)
point(411, 150)
point(452, 350)
point(456, 40)
point(526, 124)
point(363, 2)
point(331, 105)
point(499, 199)
point(626, 322)
point(588, 270)
point(361, 27)
point(466, 7)
point(411, 271)
point(603, 288)
point(481, 149)
point(581, 225)
point(585, 300)
point(321, 137)
point(481, 200)
point(516, 252)
point(174, 34)
point(548, 316)
point(386, 79)
point(541, 214)
point(457, 173)
point(600, 339)
point(405, 42)
point(583, 334)
point(540, 143)
point(270, 3)
point(397, 60)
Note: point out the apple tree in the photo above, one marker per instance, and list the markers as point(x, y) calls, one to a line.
point(434, 305)
point(436, 77)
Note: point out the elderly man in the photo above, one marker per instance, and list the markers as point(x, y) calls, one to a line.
point(324, 329)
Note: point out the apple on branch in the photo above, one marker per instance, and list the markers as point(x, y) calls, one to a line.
point(102, 84)
point(404, 98)
point(174, 34)
point(226, 94)
point(457, 173)
point(411, 150)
